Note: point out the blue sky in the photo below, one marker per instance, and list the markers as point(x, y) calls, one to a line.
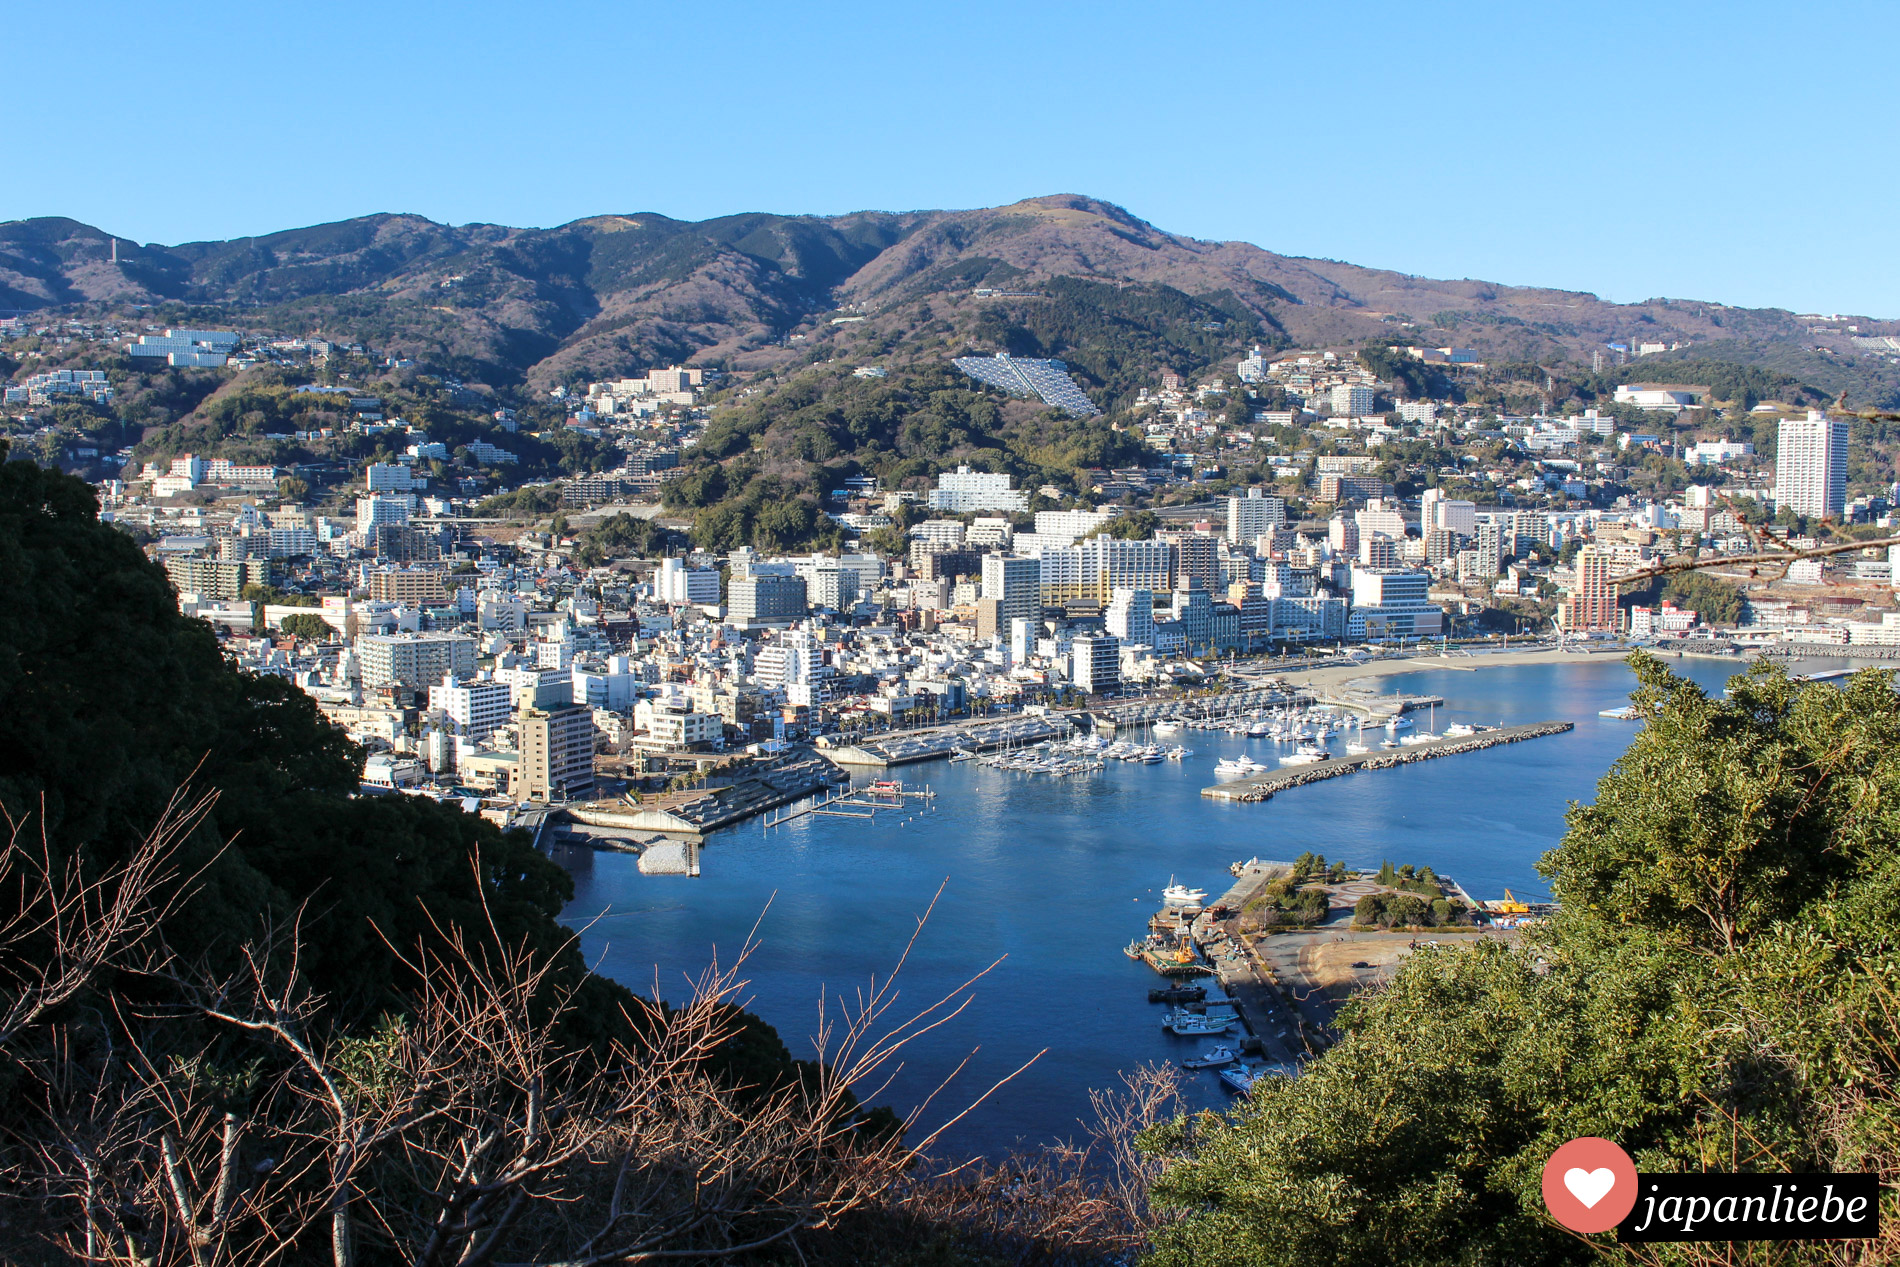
point(1739, 152)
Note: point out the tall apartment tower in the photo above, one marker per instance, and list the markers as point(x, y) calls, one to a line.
point(1811, 466)
point(1253, 516)
point(1591, 606)
point(1016, 585)
point(557, 753)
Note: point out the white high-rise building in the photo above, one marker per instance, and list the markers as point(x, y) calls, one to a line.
point(384, 508)
point(388, 477)
point(1811, 466)
point(1456, 516)
point(476, 708)
point(677, 583)
point(1352, 400)
point(1255, 515)
point(1130, 616)
point(1252, 367)
point(1070, 524)
point(1380, 517)
point(963, 490)
point(414, 660)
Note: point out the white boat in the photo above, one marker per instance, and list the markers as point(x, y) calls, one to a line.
point(1357, 749)
point(1409, 740)
point(1624, 713)
point(1178, 753)
point(1259, 730)
point(1240, 1078)
point(1182, 895)
point(1238, 765)
point(1167, 728)
point(1306, 754)
point(1460, 729)
point(1190, 1025)
point(1213, 1058)
point(1399, 722)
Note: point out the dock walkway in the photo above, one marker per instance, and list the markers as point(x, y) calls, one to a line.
point(1262, 786)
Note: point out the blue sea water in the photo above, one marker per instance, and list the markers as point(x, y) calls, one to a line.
point(1053, 877)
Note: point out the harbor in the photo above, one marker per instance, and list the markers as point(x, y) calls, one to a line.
point(1053, 877)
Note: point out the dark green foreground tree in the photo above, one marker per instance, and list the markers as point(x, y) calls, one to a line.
point(1717, 992)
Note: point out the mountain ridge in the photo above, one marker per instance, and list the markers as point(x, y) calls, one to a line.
point(611, 293)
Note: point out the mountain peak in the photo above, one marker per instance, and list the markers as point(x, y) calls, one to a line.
point(1076, 209)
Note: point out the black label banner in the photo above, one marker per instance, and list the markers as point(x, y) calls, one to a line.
point(1720, 1207)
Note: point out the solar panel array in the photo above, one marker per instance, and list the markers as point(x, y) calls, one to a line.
point(1019, 376)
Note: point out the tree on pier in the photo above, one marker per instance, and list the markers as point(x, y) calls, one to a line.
point(1718, 991)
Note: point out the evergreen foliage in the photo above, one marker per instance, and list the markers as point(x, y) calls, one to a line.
point(1715, 992)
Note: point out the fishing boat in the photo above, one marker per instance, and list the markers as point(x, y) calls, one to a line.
point(1190, 1025)
point(1213, 1058)
point(1182, 895)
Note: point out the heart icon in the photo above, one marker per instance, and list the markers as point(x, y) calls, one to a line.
point(1589, 1186)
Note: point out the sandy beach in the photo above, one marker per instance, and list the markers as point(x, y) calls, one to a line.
point(1347, 675)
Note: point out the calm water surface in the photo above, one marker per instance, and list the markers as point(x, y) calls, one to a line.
point(1054, 876)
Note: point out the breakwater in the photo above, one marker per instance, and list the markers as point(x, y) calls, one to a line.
point(1262, 787)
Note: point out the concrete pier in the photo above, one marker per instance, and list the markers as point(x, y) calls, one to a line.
point(1261, 787)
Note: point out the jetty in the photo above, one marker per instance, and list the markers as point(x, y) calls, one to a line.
point(859, 802)
point(1262, 787)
